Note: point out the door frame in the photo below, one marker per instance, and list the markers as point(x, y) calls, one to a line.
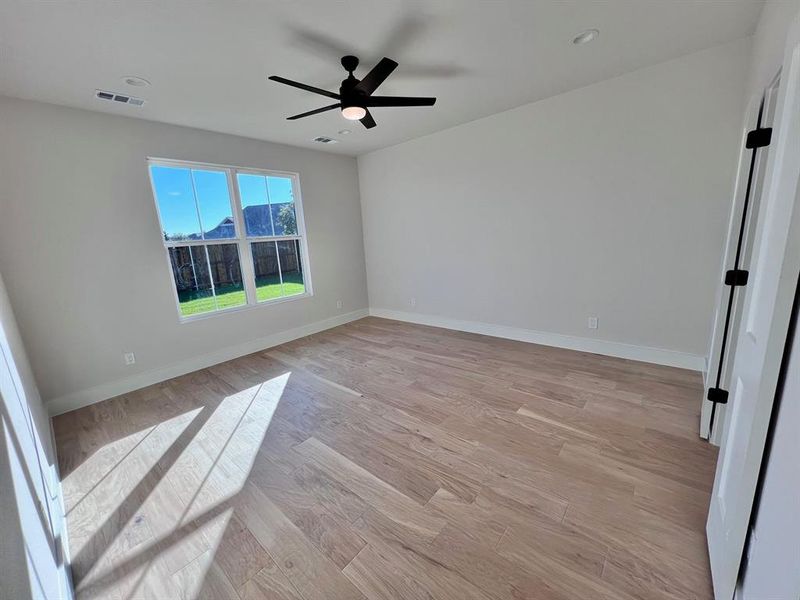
point(778, 240)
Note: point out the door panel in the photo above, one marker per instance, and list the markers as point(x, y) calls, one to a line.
point(762, 114)
point(31, 503)
point(759, 348)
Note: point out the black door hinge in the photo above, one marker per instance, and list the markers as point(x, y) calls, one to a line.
point(758, 138)
point(736, 277)
point(717, 395)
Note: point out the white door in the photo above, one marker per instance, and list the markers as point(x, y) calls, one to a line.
point(29, 491)
point(738, 247)
point(762, 336)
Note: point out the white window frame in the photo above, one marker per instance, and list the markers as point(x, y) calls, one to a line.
point(242, 240)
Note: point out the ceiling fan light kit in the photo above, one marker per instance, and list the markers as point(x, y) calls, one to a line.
point(355, 96)
point(354, 113)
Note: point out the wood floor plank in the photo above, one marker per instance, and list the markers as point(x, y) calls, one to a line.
point(654, 540)
point(429, 469)
point(269, 584)
point(289, 360)
point(664, 578)
point(561, 545)
point(382, 573)
point(470, 516)
point(621, 473)
point(362, 449)
point(569, 583)
point(239, 554)
point(330, 493)
point(383, 460)
point(310, 572)
point(329, 532)
point(203, 579)
point(496, 575)
point(373, 490)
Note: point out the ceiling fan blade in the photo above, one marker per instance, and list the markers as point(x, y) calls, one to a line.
point(367, 121)
point(303, 86)
point(313, 112)
point(320, 44)
point(377, 76)
point(398, 101)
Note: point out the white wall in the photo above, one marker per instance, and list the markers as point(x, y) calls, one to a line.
point(32, 528)
point(610, 200)
point(769, 42)
point(772, 569)
point(82, 255)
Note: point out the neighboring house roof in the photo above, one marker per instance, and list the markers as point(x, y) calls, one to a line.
point(225, 229)
point(257, 222)
point(256, 219)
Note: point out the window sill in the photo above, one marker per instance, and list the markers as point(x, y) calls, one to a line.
point(242, 308)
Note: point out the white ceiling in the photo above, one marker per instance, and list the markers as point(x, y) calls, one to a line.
point(209, 61)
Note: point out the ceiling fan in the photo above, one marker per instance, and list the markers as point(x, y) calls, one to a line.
point(355, 96)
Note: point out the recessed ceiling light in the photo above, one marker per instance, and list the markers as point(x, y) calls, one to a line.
point(584, 37)
point(136, 81)
point(345, 132)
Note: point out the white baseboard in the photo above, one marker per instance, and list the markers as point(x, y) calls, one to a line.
point(104, 391)
point(659, 356)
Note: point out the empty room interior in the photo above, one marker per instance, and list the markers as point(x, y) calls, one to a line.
point(430, 300)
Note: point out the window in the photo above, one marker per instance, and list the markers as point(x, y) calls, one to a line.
point(233, 237)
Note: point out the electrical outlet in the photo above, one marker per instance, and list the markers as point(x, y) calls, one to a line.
point(338, 304)
point(591, 322)
point(413, 302)
point(129, 358)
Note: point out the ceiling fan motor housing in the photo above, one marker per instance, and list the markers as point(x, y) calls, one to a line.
point(350, 95)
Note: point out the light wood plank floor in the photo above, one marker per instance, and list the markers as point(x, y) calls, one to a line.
point(386, 460)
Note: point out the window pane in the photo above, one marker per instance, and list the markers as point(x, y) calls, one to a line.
point(255, 204)
point(192, 281)
point(214, 203)
point(196, 294)
point(265, 262)
point(291, 268)
point(227, 275)
point(281, 201)
point(176, 205)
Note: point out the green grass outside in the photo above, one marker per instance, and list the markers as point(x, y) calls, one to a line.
point(267, 288)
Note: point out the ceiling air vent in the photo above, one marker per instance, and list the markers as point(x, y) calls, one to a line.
point(121, 98)
point(324, 140)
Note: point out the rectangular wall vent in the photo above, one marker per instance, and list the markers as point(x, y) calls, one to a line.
point(121, 98)
point(325, 140)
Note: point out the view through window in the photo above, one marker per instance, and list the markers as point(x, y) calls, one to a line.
point(234, 237)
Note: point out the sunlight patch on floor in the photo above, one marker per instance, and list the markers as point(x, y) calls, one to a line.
point(170, 487)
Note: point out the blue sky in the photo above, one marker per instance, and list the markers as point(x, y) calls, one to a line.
point(176, 204)
point(253, 189)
